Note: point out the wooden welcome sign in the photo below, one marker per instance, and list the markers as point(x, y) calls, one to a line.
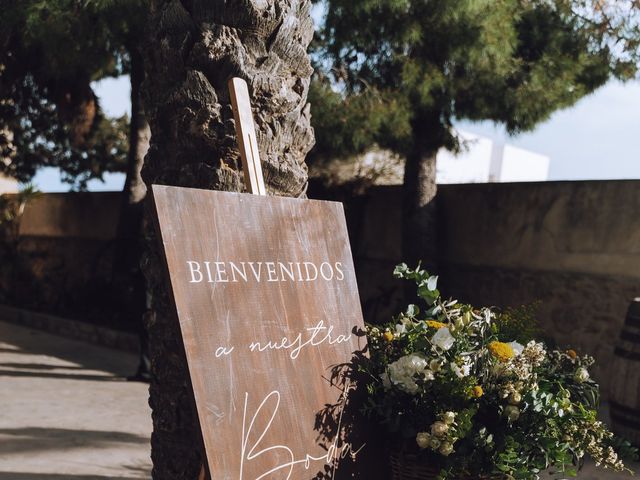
point(267, 301)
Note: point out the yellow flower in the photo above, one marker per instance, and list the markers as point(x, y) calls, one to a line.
point(572, 354)
point(502, 351)
point(436, 325)
point(388, 336)
point(477, 392)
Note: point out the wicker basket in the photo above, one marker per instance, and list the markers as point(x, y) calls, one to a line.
point(409, 466)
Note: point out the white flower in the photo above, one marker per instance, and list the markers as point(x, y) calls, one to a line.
point(402, 373)
point(534, 353)
point(443, 339)
point(499, 369)
point(446, 449)
point(386, 381)
point(463, 370)
point(435, 365)
point(439, 428)
point(418, 362)
point(423, 439)
point(515, 398)
point(516, 347)
point(512, 413)
point(448, 417)
point(457, 370)
point(401, 328)
point(581, 375)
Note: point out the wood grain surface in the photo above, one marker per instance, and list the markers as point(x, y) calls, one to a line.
point(266, 297)
point(246, 135)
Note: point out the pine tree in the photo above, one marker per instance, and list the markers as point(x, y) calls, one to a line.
point(401, 71)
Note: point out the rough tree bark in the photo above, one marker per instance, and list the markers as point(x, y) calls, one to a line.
point(126, 268)
point(194, 47)
point(139, 134)
point(419, 213)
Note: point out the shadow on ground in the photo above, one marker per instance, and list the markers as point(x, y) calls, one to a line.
point(23, 341)
point(67, 376)
point(37, 366)
point(38, 439)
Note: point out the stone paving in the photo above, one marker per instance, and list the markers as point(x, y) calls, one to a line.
point(66, 413)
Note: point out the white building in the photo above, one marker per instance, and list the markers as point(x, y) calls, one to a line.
point(482, 160)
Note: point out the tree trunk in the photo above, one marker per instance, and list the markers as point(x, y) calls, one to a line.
point(139, 134)
point(419, 214)
point(193, 48)
point(127, 275)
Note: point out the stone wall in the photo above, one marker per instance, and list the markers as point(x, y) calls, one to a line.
point(81, 215)
point(573, 247)
point(587, 227)
point(62, 260)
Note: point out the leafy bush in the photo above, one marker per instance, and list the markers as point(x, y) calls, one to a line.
point(473, 393)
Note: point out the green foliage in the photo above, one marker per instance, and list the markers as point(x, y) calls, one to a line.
point(11, 210)
point(454, 386)
point(517, 323)
point(33, 136)
point(352, 124)
point(426, 283)
point(49, 115)
point(430, 62)
point(12, 206)
point(62, 39)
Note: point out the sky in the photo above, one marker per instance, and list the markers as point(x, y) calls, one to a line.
point(114, 95)
point(596, 139)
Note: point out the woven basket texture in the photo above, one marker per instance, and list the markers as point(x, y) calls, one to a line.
point(409, 466)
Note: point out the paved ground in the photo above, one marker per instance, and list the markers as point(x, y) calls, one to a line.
point(66, 413)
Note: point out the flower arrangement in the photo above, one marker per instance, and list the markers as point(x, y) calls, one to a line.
point(469, 391)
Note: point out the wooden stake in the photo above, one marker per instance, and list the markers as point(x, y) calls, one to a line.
point(246, 134)
point(248, 144)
